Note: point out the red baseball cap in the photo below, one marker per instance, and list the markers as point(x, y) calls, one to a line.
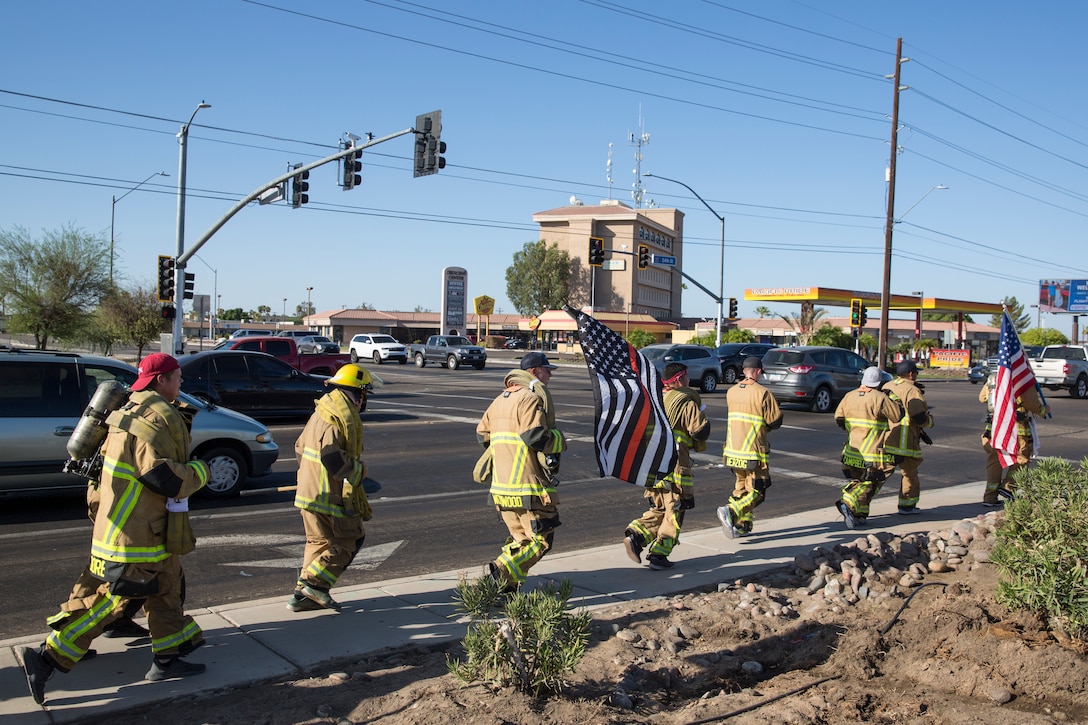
point(158, 363)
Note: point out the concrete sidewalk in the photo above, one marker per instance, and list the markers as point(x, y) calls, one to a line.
point(256, 641)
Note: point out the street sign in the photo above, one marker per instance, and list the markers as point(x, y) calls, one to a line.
point(665, 260)
point(614, 265)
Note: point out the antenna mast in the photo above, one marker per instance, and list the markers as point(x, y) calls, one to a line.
point(638, 142)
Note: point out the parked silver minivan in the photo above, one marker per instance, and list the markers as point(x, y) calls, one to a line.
point(43, 395)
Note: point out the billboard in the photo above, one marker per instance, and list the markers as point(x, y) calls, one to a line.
point(1063, 295)
point(454, 290)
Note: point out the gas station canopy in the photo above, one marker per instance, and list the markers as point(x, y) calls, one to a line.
point(830, 296)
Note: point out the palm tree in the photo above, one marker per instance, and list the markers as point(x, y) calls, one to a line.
point(763, 311)
point(804, 324)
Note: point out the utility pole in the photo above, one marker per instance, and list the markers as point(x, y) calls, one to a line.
point(885, 296)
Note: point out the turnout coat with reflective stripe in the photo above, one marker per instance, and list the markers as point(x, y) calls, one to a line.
point(905, 436)
point(145, 461)
point(752, 411)
point(866, 415)
point(516, 428)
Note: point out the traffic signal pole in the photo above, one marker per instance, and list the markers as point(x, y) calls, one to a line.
point(183, 256)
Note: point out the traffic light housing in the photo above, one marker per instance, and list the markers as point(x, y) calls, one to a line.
point(429, 144)
point(864, 315)
point(856, 313)
point(299, 187)
point(596, 251)
point(643, 256)
point(732, 308)
point(188, 286)
point(169, 312)
point(166, 278)
point(352, 166)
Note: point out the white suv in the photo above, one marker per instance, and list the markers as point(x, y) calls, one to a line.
point(379, 348)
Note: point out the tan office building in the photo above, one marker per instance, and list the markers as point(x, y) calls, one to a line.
point(619, 285)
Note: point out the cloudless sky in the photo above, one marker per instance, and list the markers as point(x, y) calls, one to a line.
point(777, 113)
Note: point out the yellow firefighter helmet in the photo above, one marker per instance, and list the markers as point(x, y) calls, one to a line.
point(352, 376)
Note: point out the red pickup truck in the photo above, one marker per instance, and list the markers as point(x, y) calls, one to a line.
point(286, 349)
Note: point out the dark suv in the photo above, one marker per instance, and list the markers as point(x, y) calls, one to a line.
point(816, 376)
point(731, 357)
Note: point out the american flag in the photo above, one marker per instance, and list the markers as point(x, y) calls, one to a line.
point(633, 438)
point(1014, 378)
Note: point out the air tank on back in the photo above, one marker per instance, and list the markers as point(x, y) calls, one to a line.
point(91, 430)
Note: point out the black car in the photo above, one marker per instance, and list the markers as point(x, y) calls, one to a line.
point(731, 357)
point(253, 383)
point(515, 343)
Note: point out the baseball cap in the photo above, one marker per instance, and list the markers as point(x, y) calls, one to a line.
point(906, 368)
point(158, 363)
point(752, 362)
point(871, 377)
point(535, 360)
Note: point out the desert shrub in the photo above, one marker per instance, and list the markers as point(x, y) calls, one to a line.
point(1042, 547)
point(526, 640)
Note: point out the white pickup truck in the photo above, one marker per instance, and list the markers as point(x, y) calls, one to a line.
point(1063, 366)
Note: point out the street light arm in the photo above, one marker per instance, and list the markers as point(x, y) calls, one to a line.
point(157, 173)
point(938, 186)
point(693, 191)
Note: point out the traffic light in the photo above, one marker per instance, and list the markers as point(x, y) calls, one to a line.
point(429, 144)
point(864, 315)
point(643, 256)
point(166, 278)
point(168, 312)
point(596, 251)
point(188, 286)
point(855, 313)
point(732, 308)
point(299, 187)
point(352, 167)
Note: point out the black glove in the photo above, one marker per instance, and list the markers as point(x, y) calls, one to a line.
point(925, 438)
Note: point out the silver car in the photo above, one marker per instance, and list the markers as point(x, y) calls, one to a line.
point(816, 377)
point(316, 343)
point(43, 395)
point(703, 368)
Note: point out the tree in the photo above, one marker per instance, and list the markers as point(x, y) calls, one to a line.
point(539, 278)
point(763, 311)
point(805, 323)
point(868, 345)
point(368, 306)
point(831, 336)
point(264, 311)
point(51, 286)
point(1020, 320)
point(134, 317)
point(1043, 336)
point(640, 338)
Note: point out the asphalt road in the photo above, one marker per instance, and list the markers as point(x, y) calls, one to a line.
point(430, 516)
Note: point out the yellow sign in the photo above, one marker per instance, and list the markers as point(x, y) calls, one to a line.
point(534, 322)
point(483, 305)
point(949, 358)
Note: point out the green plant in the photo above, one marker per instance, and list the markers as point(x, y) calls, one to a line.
point(640, 338)
point(527, 640)
point(1042, 547)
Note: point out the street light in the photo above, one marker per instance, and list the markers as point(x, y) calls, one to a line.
point(113, 206)
point(308, 291)
point(215, 293)
point(179, 268)
point(721, 254)
point(283, 317)
point(918, 318)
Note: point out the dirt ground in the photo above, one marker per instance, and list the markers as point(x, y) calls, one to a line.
point(778, 647)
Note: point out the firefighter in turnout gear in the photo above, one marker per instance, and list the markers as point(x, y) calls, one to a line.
point(671, 496)
point(752, 413)
point(866, 414)
point(907, 434)
point(146, 472)
point(518, 430)
point(330, 492)
point(1030, 404)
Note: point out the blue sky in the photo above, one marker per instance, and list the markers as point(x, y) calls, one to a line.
point(777, 113)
